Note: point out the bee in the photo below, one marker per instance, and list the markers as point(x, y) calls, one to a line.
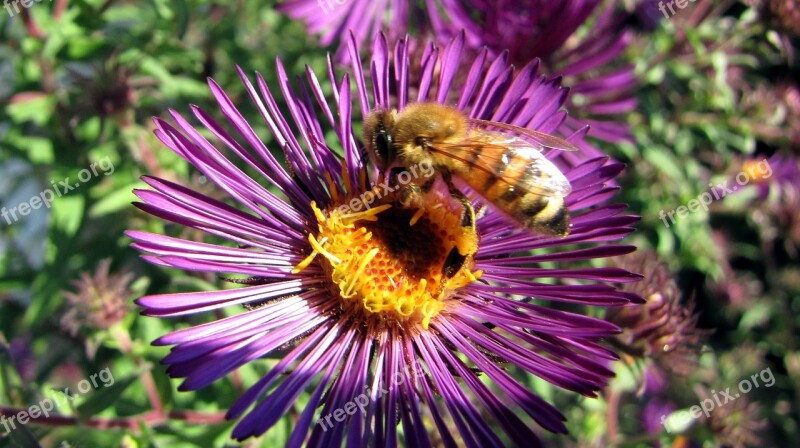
point(501, 162)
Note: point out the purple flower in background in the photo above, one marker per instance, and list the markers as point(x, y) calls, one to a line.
point(353, 300)
point(778, 198)
point(22, 357)
point(522, 31)
point(664, 329)
point(547, 29)
point(657, 407)
point(648, 14)
point(655, 380)
point(653, 416)
point(333, 19)
point(100, 300)
point(779, 172)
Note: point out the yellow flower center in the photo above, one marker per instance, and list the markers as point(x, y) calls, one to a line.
point(389, 262)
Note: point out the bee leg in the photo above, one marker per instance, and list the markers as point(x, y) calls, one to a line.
point(468, 216)
point(467, 246)
point(408, 196)
point(452, 264)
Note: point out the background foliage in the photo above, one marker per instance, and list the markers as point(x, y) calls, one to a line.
point(80, 81)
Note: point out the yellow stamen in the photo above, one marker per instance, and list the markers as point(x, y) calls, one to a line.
point(416, 217)
point(387, 262)
point(318, 247)
point(357, 276)
point(304, 264)
point(367, 215)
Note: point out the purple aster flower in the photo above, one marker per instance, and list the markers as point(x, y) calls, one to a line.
point(522, 32)
point(333, 19)
point(654, 415)
point(354, 300)
point(663, 330)
point(655, 380)
point(100, 301)
point(648, 14)
point(778, 198)
point(22, 357)
point(600, 91)
point(778, 172)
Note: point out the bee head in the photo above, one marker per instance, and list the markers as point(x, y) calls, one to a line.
point(378, 138)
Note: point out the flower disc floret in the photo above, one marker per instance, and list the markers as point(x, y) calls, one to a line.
point(387, 262)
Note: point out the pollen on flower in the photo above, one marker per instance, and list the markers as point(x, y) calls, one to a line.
point(388, 261)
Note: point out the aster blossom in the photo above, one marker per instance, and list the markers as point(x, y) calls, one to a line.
point(521, 31)
point(354, 298)
point(100, 300)
point(600, 90)
point(663, 330)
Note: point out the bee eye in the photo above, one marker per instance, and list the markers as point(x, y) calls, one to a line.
point(383, 145)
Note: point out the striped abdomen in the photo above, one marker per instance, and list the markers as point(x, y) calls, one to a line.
point(517, 185)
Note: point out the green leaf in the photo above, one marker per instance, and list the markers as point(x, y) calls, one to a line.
point(103, 397)
point(756, 316)
point(40, 150)
point(182, 17)
point(116, 201)
point(665, 162)
point(22, 437)
point(34, 106)
point(84, 46)
point(68, 213)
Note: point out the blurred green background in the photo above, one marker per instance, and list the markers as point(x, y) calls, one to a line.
point(80, 80)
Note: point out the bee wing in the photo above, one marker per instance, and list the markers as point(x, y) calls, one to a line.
point(546, 175)
point(546, 140)
point(487, 151)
